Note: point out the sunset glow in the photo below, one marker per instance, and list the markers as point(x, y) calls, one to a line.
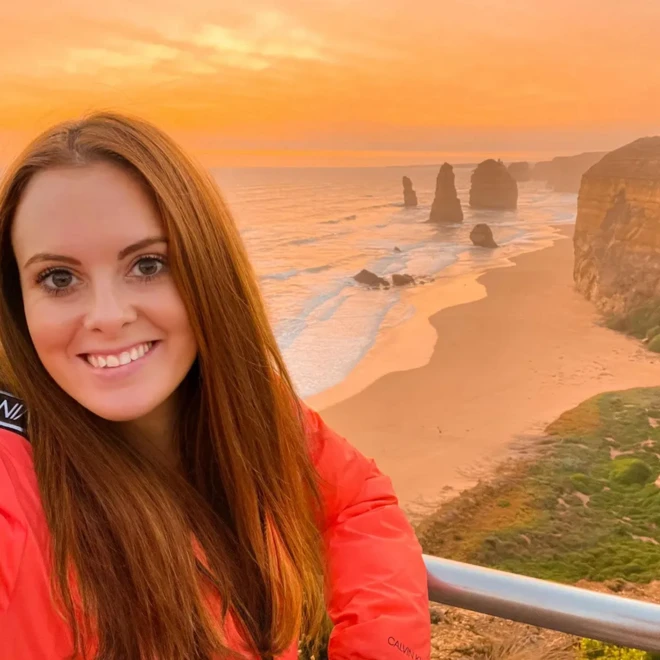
point(339, 82)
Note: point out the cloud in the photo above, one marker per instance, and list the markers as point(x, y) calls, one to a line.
point(338, 72)
point(270, 36)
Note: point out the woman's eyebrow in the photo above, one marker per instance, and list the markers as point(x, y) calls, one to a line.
point(48, 256)
point(145, 242)
point(134, 247)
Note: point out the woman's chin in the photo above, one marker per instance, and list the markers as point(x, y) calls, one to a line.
point(121, 411)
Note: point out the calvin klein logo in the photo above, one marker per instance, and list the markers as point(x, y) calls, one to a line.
point(405, 650)
point(13, 414)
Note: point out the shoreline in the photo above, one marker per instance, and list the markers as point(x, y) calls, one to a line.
point(455, 285)
point(513, 348)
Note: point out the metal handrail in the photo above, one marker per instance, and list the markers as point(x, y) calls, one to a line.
point(603, 617)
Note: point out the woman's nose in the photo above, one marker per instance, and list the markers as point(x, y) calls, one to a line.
point(109, 310)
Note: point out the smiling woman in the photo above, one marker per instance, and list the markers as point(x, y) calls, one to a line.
point(96, 291)
point(176, 500)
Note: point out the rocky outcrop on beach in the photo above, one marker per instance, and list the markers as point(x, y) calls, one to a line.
point(446, 206)
point(617, 231)
point(482, 236)
point(520, 171)
point(371, 279)
point(493, 187)
point(402, 279)
point(374, 281)
point(409, 195)
point(564, 173)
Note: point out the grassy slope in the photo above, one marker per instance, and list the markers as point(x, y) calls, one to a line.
point(587, 508)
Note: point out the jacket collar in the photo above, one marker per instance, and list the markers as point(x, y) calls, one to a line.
point(13, 414)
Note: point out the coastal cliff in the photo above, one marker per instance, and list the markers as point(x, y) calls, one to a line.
point(617, 231)
point(564, 173)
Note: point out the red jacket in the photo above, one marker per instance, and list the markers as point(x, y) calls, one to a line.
point(378, 598)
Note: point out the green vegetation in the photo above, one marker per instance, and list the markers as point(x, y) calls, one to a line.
point(629, 471)
point(590, 650)
point(587, 508)
point(639, 321)
point(642, 322)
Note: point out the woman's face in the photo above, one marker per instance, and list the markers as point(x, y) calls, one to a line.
point(103, 312)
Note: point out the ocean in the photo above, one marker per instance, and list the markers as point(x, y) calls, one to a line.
point(309, 231)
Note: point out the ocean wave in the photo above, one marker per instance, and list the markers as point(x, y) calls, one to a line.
point(388, 205)
point(285, 275)
point(294, 272)
point(346, 218)
point(310, 240)
point(288, 329)
point(303, 241)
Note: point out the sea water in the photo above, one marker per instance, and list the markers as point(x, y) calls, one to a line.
point(309, 231)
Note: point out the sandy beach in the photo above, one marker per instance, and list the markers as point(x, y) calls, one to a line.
point(508, 352)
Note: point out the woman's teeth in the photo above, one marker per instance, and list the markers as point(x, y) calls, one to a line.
point(119, 360)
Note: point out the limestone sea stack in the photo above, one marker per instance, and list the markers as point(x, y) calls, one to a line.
point(520, 171)
point(493, 187)
point(482, 236)
point(446, 206)
point(617, 230)
point(409, 195)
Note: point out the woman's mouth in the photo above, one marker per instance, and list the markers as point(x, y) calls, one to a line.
point(121, 359)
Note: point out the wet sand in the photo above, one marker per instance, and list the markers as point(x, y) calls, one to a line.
point(523, 349)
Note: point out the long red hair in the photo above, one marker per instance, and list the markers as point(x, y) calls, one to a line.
point(122, 523)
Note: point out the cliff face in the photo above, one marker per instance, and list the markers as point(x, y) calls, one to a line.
point(446, 205)
point(617, 231)
point(564, 173)
point(493, 187)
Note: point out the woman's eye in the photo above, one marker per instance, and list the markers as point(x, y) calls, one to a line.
point(57, 280)
point(148, 267)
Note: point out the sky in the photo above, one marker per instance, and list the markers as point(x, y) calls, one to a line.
point(340, 82)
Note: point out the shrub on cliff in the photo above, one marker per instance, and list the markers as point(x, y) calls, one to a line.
point(639, 321)
point(654, 331)
point(590, 650)
point(629, 471)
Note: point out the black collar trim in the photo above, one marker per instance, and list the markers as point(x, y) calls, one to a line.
point(13, 414)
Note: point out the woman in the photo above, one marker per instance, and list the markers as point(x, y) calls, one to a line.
point(167, 496)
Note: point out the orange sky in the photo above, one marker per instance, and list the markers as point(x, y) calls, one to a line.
point(340, 82)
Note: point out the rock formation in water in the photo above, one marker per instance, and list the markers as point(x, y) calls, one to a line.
point(482, 236)
point(409, 195)
point(564, 173)
point(371, 279)
point(520, 171)
point(402, 279)
point(397, 250)
point(493, 187)
point(617, 231)
point(446, 205)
